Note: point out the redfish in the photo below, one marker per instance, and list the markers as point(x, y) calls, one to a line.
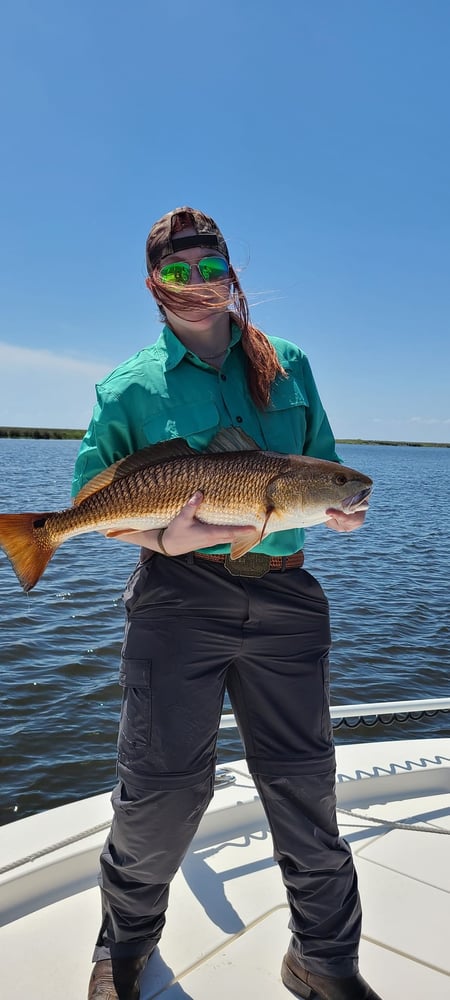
point(241, 485)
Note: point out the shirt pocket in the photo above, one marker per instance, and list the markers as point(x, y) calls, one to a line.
point(136, 715)
point(195, 422)
point(284, 422)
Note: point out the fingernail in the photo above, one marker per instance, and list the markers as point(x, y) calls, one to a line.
point(196, 496)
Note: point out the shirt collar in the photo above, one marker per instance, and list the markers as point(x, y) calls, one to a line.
point(172, 351)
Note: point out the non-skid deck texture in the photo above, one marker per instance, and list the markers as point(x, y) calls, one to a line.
point(227, 925)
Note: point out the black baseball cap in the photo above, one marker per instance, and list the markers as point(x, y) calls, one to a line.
point(162, 240)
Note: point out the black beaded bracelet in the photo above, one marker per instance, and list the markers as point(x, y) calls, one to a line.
point(159, 539)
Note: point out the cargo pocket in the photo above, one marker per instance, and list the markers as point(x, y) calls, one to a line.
point(136, 716)
point(327, 727)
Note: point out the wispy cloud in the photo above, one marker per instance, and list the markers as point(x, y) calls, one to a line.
point(20, 358)
point(40, 388)
point(429, 420)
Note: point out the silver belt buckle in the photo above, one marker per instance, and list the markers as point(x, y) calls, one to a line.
point(252, 564)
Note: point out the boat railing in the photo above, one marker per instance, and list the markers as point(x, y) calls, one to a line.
point(85, 859)
point(372, 712)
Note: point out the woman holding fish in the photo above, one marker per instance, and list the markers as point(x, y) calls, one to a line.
point(218, 602)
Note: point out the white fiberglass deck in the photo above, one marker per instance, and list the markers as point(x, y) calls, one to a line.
point(227, 922)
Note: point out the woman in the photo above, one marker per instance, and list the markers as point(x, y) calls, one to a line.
point(198, 625)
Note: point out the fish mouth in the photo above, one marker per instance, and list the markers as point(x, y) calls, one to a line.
point(357, 501)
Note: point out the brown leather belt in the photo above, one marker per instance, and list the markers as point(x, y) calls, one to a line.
point(255, 563)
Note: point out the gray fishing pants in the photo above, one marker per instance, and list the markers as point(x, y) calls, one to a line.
point(194, 631)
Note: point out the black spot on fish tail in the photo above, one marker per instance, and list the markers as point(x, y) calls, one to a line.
point(39, 523)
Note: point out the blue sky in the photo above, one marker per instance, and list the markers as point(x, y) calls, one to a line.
point(316, 133)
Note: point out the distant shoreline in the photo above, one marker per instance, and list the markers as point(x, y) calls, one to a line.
point(61, 434)
point(40, 433)
point(396, 444)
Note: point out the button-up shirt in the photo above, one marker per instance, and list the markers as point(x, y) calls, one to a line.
point(165, 391)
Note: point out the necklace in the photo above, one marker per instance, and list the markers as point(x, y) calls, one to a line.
point(210, 357)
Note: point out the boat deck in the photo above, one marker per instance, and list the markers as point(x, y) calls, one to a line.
point(227, 923)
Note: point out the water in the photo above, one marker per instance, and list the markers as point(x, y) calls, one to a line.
point(60, 645)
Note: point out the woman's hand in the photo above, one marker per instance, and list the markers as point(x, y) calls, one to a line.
point(185, 533)
point(338, 521)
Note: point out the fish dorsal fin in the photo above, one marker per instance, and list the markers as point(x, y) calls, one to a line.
point(227, 439)
point(232, 439)
point(155, 453)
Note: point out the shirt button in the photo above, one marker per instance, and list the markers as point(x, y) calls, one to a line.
point(224, 378)
point(239, 420)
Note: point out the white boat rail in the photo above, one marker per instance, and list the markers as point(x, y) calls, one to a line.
point(368, 710)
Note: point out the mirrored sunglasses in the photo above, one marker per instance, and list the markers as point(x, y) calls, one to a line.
point(179, 273)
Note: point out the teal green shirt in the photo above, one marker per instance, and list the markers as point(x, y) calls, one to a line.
point(165, 391)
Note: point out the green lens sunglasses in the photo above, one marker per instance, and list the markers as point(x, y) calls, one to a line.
point(179, 273)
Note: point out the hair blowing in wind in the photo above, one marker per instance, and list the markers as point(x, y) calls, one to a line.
point(262, 363)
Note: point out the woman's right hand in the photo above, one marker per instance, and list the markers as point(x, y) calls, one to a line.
point(185, 533)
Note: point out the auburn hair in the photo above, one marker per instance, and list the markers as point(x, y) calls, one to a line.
point(263, 364)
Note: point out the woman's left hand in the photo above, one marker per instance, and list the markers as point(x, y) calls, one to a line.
point(339, 521)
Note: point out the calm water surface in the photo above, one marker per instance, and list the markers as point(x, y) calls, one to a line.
point(59, 646)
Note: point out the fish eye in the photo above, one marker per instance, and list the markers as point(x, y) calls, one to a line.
point(341, 479)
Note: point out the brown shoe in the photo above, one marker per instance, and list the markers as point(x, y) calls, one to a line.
point(116, 979)
point(308, 985)
point(101, 984)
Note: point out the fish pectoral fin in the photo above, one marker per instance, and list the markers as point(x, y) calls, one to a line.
point(244, 543)
point(264, 531)
point(232, 439)
point(155, 453)
point(250, 538)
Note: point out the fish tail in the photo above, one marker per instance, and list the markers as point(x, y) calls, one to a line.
point(26, 545)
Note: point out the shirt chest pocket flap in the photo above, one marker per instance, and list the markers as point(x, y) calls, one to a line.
point(284, 422)
point(286, 393)
point(195, 422)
